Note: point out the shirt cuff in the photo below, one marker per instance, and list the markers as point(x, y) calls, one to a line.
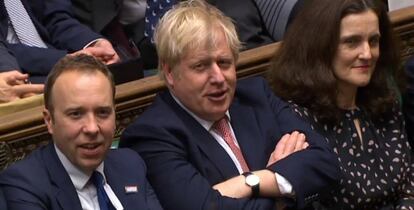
point(284, 185)
point(91, 43)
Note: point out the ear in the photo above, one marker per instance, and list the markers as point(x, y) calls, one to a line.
point(47, 117)
point(168, 74)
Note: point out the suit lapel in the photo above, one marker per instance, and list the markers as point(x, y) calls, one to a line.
point(210, 148)
point(66, 194)
point(248, 135)
point(119, 181)
point(116, 182)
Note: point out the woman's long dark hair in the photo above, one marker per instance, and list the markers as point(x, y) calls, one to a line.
point(302, 70)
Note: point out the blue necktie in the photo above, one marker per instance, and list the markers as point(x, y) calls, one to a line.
point(155, 10)
point(103, 199)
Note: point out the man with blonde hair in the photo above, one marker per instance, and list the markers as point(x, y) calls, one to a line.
point(211, 144)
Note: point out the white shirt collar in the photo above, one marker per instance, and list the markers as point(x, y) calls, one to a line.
point(205, 123)
point(78, 177)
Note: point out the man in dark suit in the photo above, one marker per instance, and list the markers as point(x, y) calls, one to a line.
point(61, 33)
point(198, 137)
point(78, 170)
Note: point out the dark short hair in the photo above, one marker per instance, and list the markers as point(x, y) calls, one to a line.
point(82, 63)
point(302, 69)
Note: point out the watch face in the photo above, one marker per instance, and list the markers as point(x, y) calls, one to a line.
point(252, 180)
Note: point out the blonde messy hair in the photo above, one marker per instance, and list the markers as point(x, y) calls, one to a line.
point(192, 25)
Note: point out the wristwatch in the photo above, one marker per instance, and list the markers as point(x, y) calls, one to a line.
point(253, 181)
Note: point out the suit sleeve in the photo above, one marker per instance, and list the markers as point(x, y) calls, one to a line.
point(152, 200)
point(177, 182)
point(312, 170)
point(34, 60)
point(18, 192)
point(65, 30)
point(7, 61)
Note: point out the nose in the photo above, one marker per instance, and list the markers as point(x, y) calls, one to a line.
point(91, 125)
point(366, 52)
point(216, 74)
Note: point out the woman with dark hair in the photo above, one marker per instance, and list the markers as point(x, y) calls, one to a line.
point(335, 66)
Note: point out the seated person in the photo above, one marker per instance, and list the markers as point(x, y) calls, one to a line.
point(39, 33)
point(78, 170)
point(336, 72)
point(211, 144)
point(409, 100)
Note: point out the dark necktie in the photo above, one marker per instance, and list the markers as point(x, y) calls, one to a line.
point(103, 199)
point(155, 10)
point(22, 24)
point(222, 128)
point(275, 15)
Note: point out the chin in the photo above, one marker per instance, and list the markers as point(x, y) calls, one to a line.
point(363, 83)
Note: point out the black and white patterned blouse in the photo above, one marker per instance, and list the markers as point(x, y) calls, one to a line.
point(377, 172)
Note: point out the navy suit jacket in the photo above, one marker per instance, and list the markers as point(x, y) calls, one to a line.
point(184, 161)
point(7, 60)
point(41, 182)
point(57, 27)
point(3, 205)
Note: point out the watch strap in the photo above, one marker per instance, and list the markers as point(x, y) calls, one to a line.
point(255, 188)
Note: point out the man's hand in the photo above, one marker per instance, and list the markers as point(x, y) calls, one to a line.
point(288, 144)
point(102, 49)
point(13, 87)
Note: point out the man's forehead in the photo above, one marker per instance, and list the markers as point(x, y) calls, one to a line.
point(77, 82)
point(205, 52)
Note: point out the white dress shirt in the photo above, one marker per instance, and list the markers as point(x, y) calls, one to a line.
point(85, 189)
